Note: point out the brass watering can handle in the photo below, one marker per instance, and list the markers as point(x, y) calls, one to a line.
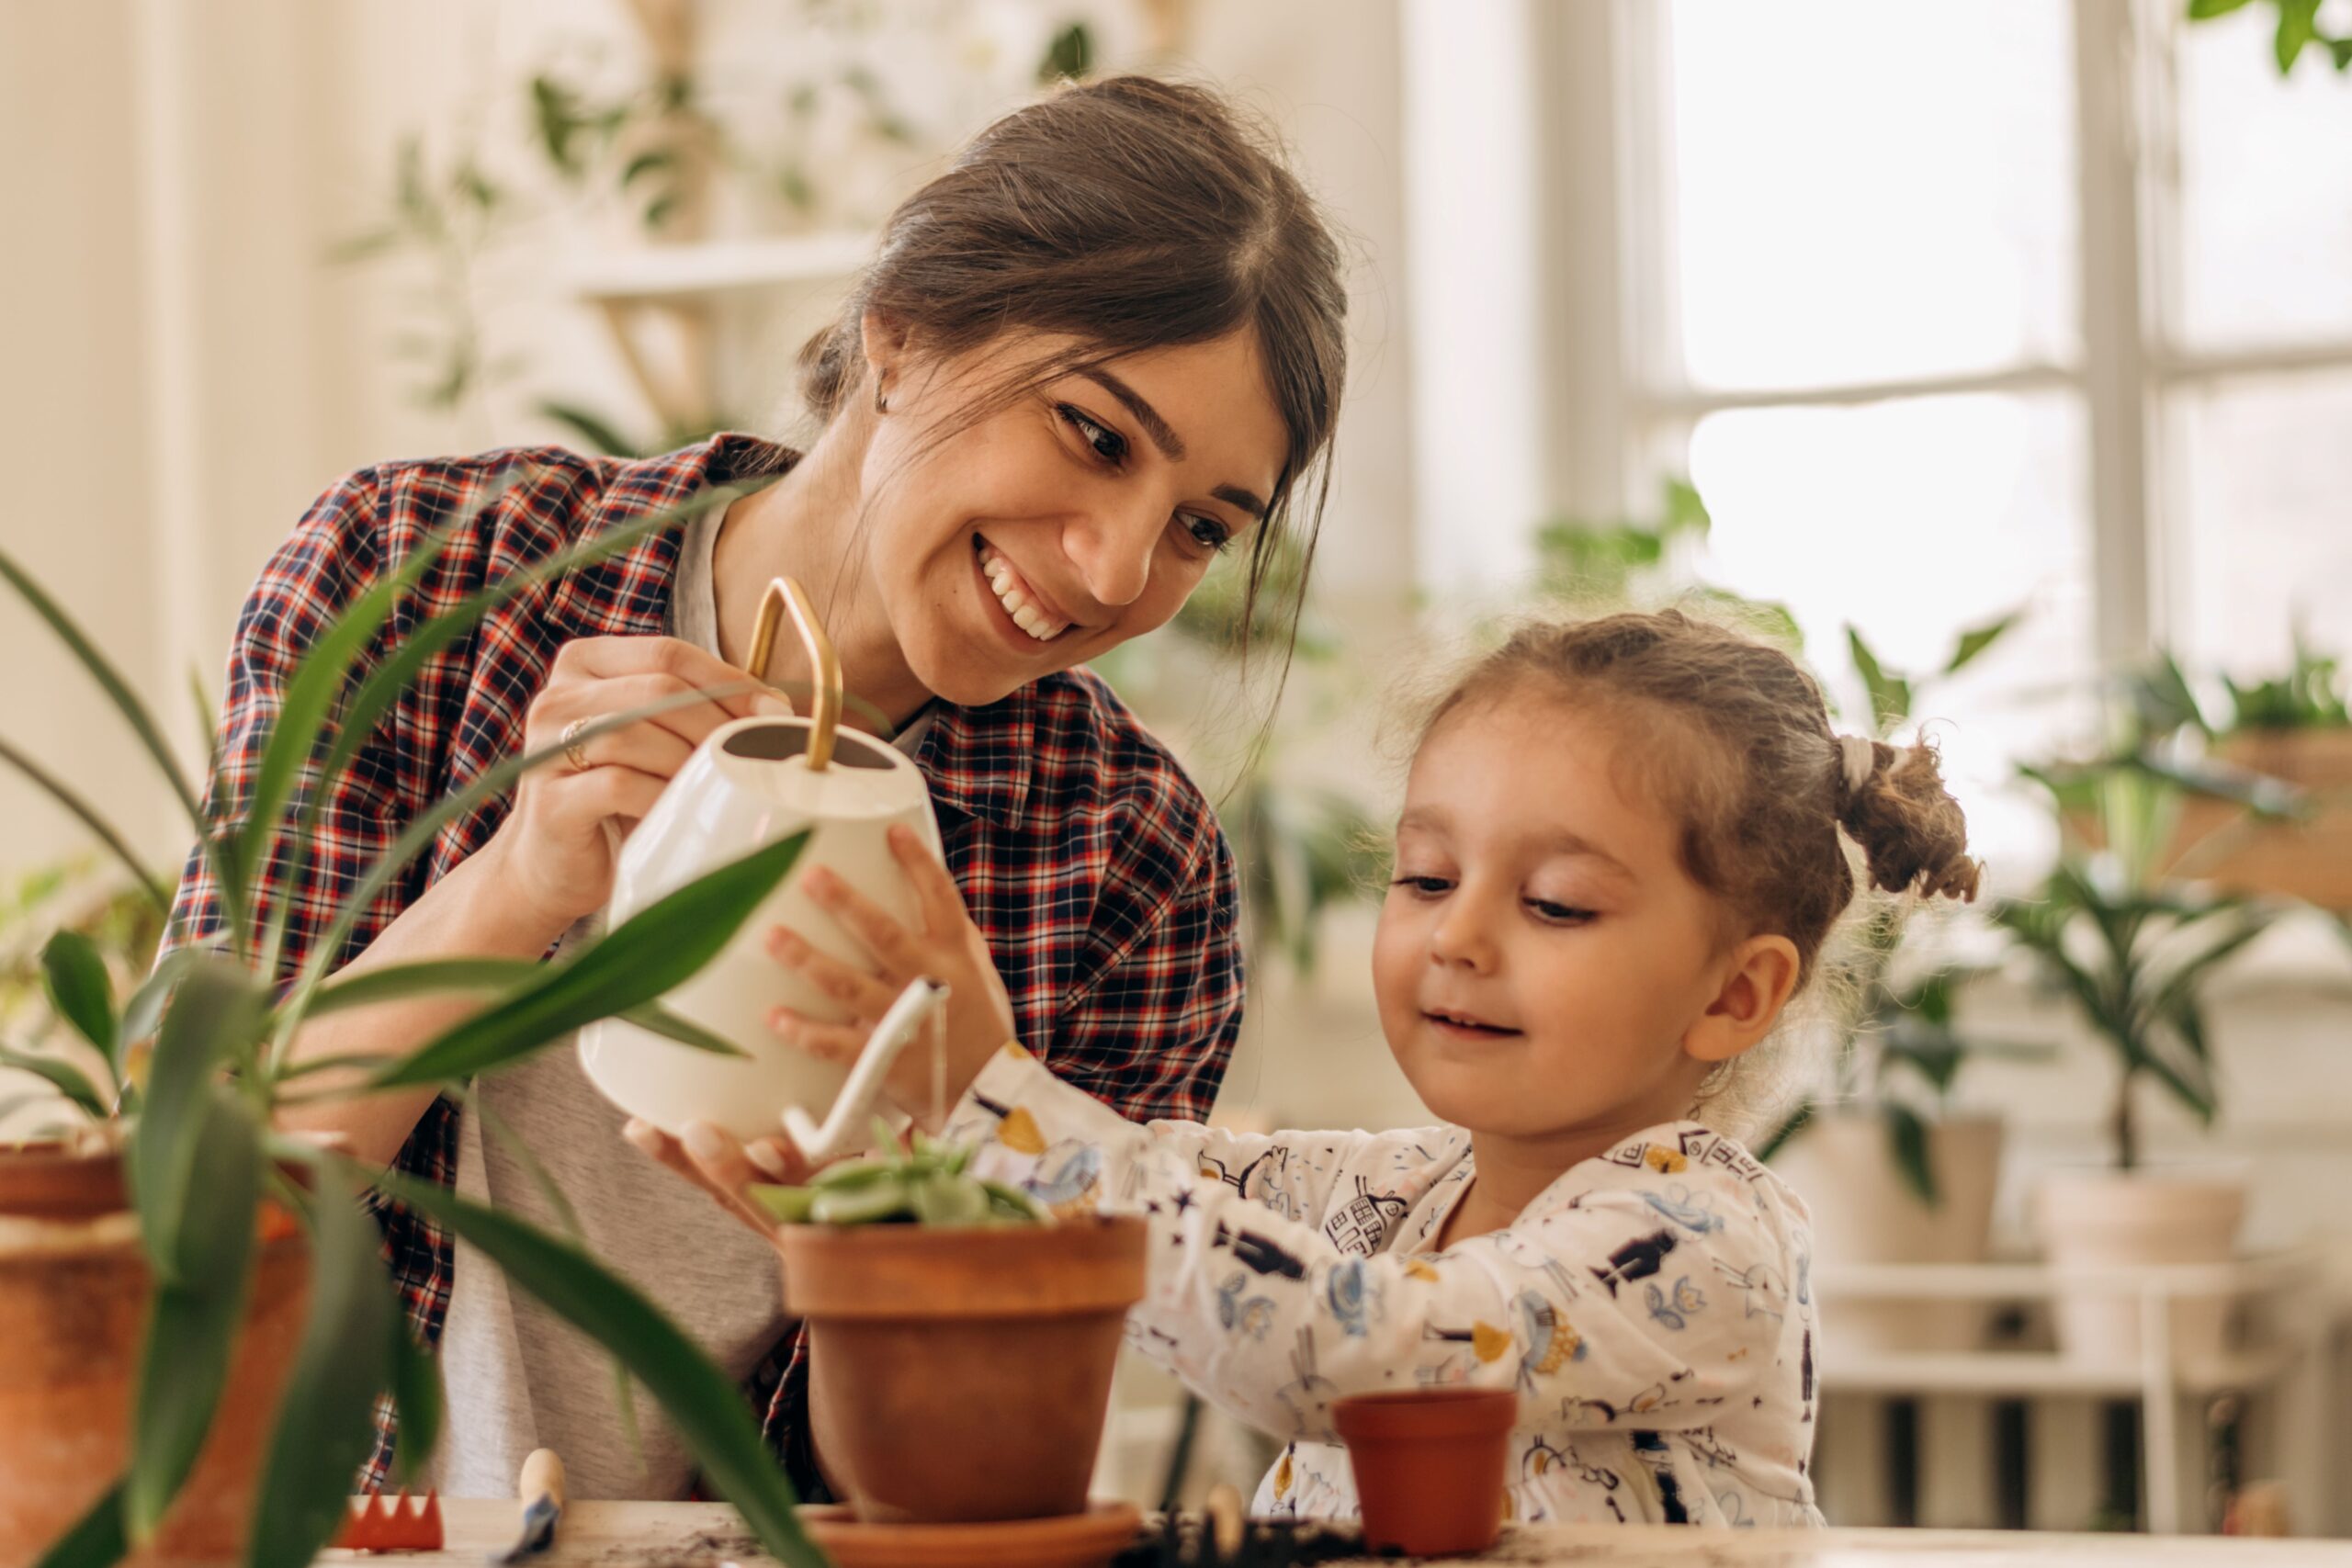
point(824, 665)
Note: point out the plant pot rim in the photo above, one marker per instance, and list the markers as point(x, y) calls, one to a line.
point(59, 1178)
point(1089, 1264)
point(1423, 1415)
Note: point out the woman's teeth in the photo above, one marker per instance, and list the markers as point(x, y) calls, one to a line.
point(1013, 595)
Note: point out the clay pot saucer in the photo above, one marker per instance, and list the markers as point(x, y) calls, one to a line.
point(1073, 1540)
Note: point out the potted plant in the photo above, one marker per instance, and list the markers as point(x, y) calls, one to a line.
point(199, 1316)
point(2296, 728)
point(2132, 950)
point(1889, 1103)
point(962, 1335)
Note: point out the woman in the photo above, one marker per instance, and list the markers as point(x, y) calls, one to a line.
point(1102, 347)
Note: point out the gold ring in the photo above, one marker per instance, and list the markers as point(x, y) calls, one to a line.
point(572, 752)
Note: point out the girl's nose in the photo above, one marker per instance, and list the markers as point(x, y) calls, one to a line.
point(1460, 940)
point(1113, 550)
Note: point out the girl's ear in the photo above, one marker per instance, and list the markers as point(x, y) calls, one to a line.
point(1761, 977)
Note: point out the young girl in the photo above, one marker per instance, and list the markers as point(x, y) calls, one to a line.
point(1618, 859)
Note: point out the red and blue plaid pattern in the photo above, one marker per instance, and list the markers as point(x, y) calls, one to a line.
point(1094, 866)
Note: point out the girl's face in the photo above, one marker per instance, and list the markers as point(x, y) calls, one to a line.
point(1081, 515)
point(1545, 965)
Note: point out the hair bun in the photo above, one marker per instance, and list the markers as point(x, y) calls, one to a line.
point(1912, 832)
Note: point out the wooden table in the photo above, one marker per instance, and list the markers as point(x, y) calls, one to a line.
point(704, 1535)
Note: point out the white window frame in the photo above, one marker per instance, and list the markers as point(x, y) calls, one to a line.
point(1612, 339)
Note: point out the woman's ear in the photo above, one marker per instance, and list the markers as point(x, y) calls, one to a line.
point(1761, 977)
point(886, 340)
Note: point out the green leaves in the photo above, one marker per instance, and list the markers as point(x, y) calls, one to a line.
point(1069, 56)
point(96, 1540)
point(109, 679)
point(419, 1402)
point(64, 1077)
point(659, 947)
point(1907, 1144)
point(75, 978)
point(1976, 639)
point(200, 1302)
point(217, 1013)
point(708, 1408)
point(327, 1422)
point(1890, 695)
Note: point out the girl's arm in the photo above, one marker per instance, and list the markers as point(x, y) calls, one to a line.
point(1607, 1308)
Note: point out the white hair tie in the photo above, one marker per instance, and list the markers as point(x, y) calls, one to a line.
point(1858, 756)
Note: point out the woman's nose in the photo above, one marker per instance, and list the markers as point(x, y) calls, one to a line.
point(1113, 551)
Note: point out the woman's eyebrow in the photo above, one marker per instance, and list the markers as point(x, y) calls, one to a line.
point(1164, 435)
point(1170, 445)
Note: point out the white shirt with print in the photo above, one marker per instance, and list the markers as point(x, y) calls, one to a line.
point(1653, 1307)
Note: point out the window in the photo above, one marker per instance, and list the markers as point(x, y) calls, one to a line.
point(1888, 268)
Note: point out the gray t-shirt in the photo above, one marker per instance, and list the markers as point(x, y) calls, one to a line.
point(518, 1377)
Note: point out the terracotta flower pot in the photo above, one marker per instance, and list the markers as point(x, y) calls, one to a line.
point(1429, 1466)
point(957, 1376)
point(73, 1295)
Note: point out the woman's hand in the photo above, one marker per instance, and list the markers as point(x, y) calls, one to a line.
point(553, 856)
point(713, 1160)
point(947, 948)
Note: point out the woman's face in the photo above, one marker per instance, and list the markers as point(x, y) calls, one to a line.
point(1076, 518)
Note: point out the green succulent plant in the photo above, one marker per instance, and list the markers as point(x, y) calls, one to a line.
point(925, 1184)
point(194, 1061)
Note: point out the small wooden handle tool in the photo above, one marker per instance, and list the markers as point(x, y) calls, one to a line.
point(541, 1491)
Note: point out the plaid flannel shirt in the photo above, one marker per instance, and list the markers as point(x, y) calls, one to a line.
point(1094, 866)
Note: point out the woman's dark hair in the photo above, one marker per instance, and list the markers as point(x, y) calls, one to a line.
point(1129, 213)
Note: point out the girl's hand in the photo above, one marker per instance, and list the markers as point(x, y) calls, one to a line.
point(553, 858)
point(946, 948)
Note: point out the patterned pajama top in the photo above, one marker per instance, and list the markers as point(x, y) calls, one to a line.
point(1653, 1307)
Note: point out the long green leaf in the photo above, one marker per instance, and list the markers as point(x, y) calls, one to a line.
point(1976, 639)
point(58, 790)
point(328, 1419)
point(1907, 1144)
point(703, 1402)
point(199, 1307)
point(1889, 693)
point(661, 946)
point(102, 671)
point(75, 978)
point(63, 1077)
point(97, 1539)
point(397, 982)
point(420, 1404)
point(217, 1010)
point(403, 665)
point(655, 1019)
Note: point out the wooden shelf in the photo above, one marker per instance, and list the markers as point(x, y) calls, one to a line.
point(682, 273)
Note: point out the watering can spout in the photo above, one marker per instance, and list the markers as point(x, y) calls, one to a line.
point(854, 1107)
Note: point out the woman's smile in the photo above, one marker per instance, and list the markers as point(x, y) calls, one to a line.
point(1028, 612)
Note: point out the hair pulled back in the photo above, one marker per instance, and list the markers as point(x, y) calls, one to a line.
point(1739, 747)
point(1128, 213)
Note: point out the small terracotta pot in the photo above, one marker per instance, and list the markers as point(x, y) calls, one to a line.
point(1429, 1466)
point(957, 1376)
point(75, 1288)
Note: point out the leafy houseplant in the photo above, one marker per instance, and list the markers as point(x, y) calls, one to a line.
point(231, 1317)
point(961, 1337)
point(1888, 1098)
point(2132, 950)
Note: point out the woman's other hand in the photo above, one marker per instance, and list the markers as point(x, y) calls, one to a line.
point(714, 1160)
point(945, 948)
point(552, 854)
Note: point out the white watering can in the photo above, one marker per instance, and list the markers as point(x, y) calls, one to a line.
point(753, 782)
